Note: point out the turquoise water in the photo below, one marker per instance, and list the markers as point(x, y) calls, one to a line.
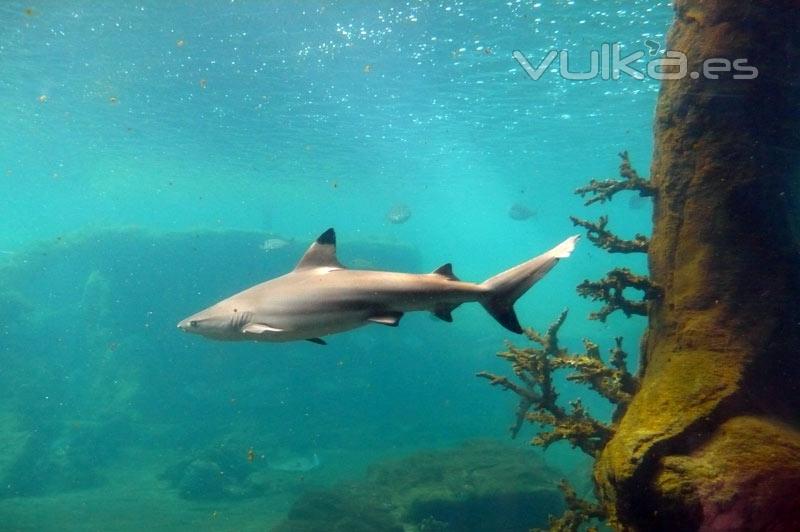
point(151, 147)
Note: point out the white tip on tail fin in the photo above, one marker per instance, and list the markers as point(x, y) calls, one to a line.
point(564, 249)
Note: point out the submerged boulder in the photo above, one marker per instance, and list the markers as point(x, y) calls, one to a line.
point(479, 486)
point(218, 472)
point(338, 511)
point(202, 479)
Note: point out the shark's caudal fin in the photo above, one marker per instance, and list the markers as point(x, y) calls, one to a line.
point(505, 288)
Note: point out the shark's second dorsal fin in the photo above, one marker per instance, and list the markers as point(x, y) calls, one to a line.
point(322, 253)
point(446, 270)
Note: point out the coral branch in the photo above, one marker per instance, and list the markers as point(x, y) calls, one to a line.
point(534, 367)
point(611, 290)
point(613, 382)
point(604, 190)
point(605, 239)
point(578, 511)
point(577, 427)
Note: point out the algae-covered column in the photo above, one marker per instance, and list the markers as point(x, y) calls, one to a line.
point(711, 440)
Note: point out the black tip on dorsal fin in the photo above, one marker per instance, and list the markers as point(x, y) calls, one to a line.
point(446, 270)
point(327, 238)
point(321, 253)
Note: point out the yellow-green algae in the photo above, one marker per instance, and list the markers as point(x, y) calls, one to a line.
point(740, 488)
point(709, 441)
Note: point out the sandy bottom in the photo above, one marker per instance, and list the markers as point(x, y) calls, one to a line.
point(135, 499)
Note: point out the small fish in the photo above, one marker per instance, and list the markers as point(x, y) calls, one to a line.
point(398, 214)
point(520, 212)
point(271, 244)
point(251, 455)
point(296, 464)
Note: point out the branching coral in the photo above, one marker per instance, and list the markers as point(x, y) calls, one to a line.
point(577, 513)
point(603, 190)
point(611, 290)
point(534, 367)
point(605, 239)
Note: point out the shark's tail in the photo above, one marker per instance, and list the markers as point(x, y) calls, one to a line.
point(505, 288)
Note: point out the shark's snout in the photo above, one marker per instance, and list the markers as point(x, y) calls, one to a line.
point(187, 325)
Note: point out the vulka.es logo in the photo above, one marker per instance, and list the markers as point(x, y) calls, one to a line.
point(608, 63)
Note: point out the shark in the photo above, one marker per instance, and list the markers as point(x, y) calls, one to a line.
point(321, 297)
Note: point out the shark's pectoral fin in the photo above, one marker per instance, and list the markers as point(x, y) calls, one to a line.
point(444, 312)
point(319, 341)
point(392, 319)
point(259, 328)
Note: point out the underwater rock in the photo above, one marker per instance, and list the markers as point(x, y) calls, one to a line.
point(202, 480)
point(52, 459)
point(701, 444)
point(216, 473)
point(520, 212)
point(739, 479)
point(481, 486)
point(338, 511)
point(398, 214)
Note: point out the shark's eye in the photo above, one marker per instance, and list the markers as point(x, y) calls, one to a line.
point(193, 323)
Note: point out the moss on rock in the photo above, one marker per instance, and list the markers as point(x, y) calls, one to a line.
point(724, 336)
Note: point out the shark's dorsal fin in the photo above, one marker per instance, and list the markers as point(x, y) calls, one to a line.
point(446, 270)
point(322, 253)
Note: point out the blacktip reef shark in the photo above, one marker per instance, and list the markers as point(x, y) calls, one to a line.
point(321, 297)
